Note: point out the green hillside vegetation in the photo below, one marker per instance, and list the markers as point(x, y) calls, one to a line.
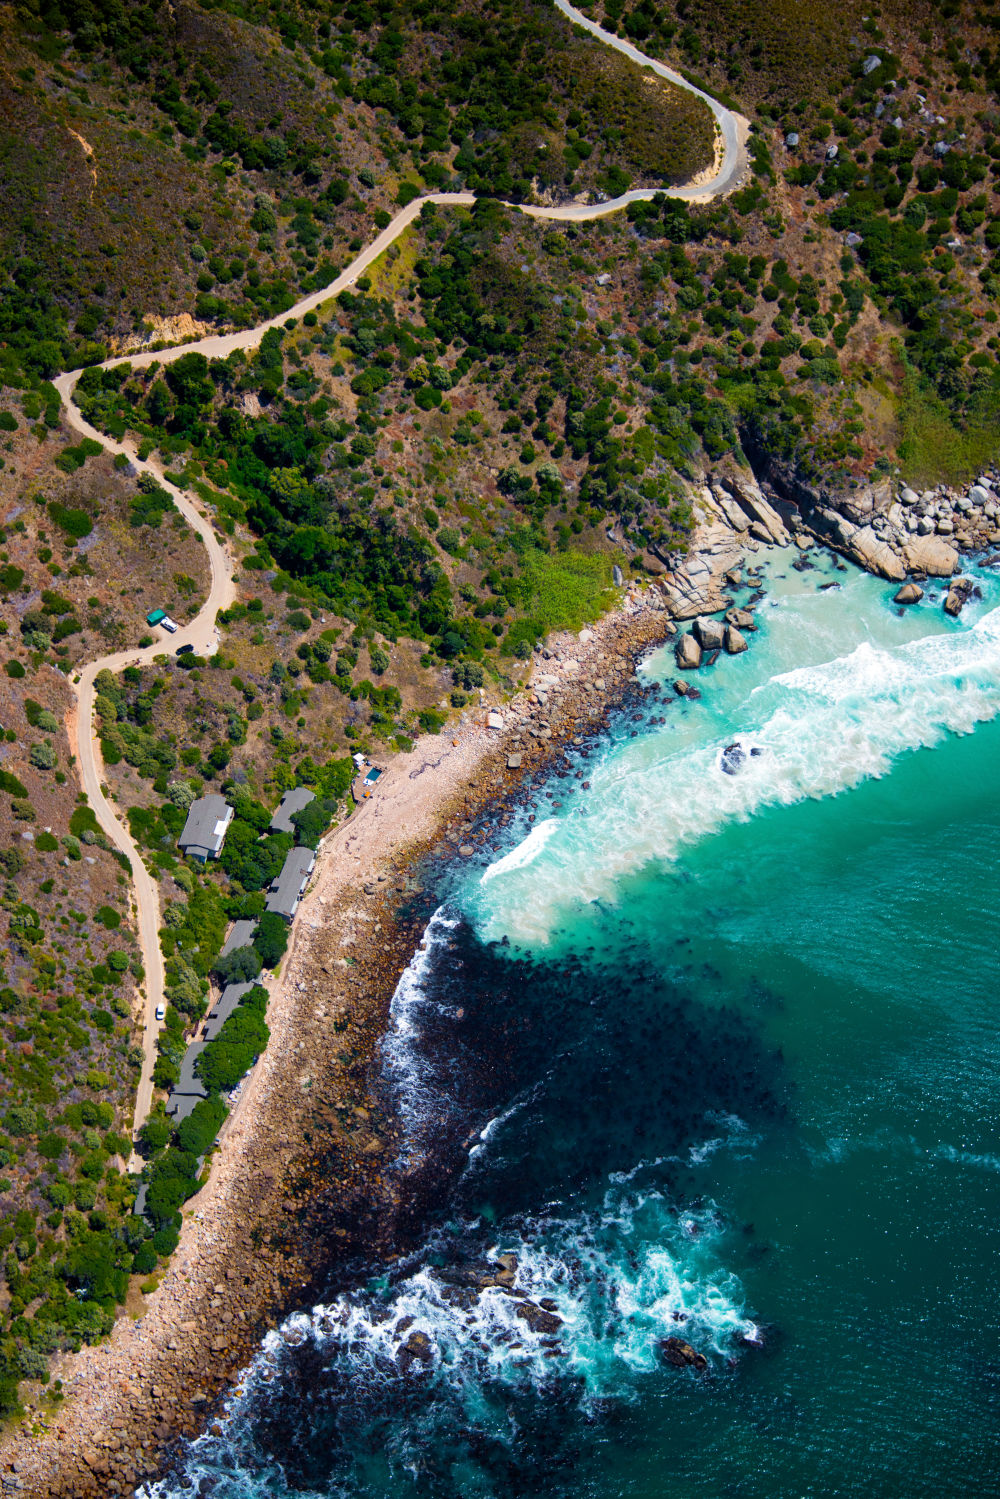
point(420, 479)
point(68, 1059)
point(218, 159)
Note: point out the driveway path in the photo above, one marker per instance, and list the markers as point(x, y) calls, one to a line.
point(201, 632)
point(203, 635)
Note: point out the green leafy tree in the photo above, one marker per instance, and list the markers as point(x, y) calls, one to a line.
point(270, 939)
point(239, 967)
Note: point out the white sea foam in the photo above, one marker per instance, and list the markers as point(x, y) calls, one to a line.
point(524, 854)
point(405, 1068)
point(822, 729)
point(621, 1279)
point(887, 1142)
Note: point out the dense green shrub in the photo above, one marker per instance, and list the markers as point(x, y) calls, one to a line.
point(313, 820)
point(238, 967)
point(196, 1133)
point(75, 523)
point(242, 1038)
point(270, 939)
point(144, 1260)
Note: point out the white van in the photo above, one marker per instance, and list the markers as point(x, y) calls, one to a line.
point(168, 624)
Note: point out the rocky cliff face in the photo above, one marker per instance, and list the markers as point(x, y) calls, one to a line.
point(885, 527)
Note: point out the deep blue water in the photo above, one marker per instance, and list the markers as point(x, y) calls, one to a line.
point(718, 1056)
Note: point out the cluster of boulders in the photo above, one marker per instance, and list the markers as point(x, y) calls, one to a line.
point(894, 534)
point(708, 636)
point(461, 1286)
point(574, 677)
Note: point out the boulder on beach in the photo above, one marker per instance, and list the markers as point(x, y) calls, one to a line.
point(930, 555)
point(687, 653)
point(735, 642)
point(910, 593)
point(709, 633)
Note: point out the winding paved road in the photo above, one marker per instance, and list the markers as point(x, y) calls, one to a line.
point(201, 632)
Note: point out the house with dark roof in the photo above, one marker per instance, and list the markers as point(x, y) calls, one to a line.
point(231, 996)
point(292, 801)
point(240, 936)
point(204, 831)
point(189, 1088)
point(288, 888)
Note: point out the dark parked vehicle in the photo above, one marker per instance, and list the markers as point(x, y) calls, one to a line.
point(183, 650)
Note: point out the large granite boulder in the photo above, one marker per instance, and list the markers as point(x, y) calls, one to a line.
point(681, 1355)
point(750, 498)
point(930, 555)
point(709, 633)
point(875, 555)
point(687, 653)
point(735, 642)
point(742, 618)
point(959, 594)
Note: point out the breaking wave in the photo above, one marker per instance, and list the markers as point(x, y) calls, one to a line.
point(473, 1346)
point(820, 730)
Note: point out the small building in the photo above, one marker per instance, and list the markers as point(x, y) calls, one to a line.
point(292, 801)
point(204, 831)
point(188, 1089)
point(286, 891)
point(231, 996)
point(240, 936)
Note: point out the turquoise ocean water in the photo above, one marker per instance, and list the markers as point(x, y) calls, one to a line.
point(721, 1056)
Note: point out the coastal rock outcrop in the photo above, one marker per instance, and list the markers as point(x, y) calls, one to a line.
point(418, 1346)
point(735, 642)
point(681, 1355)
point(733, 759)
point(537, 1318)
point(910, 593)
point(751, 499)
point(687, 653)
point(709, 633)
point(875, 554)
point(959, 594)
point(742, 619)
point(930, 555)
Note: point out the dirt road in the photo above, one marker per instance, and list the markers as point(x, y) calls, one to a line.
point(201, 632)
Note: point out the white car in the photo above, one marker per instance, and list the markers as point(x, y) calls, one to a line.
point(161, 1012)
point(169, 624)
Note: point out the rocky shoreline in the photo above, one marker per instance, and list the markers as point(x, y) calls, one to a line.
point(890, 529)
point(301, 1181)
